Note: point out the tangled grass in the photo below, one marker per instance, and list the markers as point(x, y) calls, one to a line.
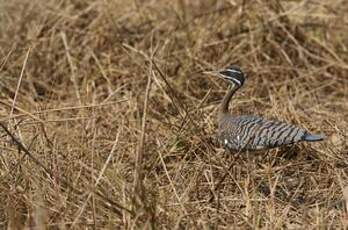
point(107, 120)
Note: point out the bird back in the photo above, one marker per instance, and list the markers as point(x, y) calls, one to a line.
point(255, 133)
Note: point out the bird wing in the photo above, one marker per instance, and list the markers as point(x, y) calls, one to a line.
point(258, 133)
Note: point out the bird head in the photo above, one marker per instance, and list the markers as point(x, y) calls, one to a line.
point(231, 74)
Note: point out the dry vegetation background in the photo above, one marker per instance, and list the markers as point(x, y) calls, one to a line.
point(108, 121)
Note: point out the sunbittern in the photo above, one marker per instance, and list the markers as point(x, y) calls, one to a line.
point(248, 132)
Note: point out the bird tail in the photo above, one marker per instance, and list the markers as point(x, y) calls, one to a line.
point(312, 138)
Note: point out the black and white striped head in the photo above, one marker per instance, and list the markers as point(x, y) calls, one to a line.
point(232, 74)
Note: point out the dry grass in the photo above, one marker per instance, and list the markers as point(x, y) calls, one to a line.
point(111, 123)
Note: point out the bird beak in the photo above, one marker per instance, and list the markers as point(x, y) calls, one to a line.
point(214, 73)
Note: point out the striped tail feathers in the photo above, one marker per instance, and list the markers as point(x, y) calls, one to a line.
point(311, 137)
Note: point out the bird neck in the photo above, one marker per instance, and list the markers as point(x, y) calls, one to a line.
point(227, 98)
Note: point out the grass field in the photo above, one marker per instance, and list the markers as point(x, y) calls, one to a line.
point(108, 122)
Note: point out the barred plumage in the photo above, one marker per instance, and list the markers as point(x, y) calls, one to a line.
point(250, 132)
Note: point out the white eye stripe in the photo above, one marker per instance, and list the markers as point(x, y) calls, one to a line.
point(234, 80)
point(233, 71)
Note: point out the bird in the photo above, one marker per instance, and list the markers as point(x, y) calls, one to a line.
point(250, 132)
